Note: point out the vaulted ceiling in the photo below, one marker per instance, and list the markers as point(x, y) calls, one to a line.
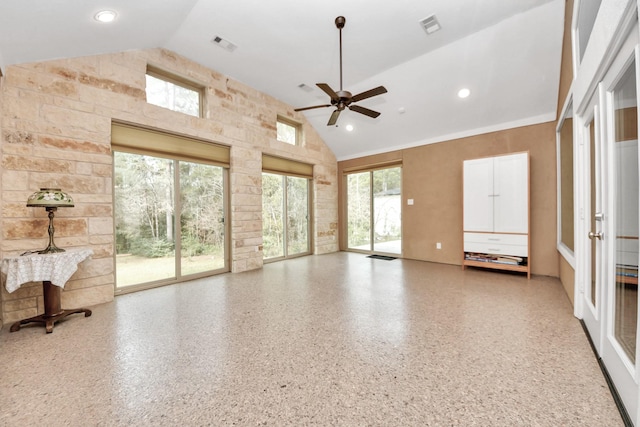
point(506, 52)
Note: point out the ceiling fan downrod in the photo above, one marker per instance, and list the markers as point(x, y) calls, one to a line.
point(340, 21)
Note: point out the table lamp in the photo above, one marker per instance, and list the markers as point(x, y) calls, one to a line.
point(51, 199)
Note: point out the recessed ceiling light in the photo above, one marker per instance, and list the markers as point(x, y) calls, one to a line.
point(464, 92)
point(349, 128)
point(105, 16)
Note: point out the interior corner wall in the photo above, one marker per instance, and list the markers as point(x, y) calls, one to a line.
point(56, 131)
point(432, 177)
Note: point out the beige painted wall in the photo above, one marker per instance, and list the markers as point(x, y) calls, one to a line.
point(567, 273)
point(56, 131)
point(567, 277)
point(432, 176)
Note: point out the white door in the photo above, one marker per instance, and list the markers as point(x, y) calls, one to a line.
point(609, 203)
point(620, 259)
point(591, 215)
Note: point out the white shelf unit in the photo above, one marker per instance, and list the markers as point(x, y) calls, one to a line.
point(496, 213)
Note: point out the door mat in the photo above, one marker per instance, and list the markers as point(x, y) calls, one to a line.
point(386, 258)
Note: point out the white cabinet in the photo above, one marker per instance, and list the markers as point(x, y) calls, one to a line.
point(496, 212)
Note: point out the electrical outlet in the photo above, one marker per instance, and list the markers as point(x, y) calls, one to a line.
point(438, 245)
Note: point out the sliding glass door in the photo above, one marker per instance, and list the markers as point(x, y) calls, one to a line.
point(285, 216)
point(374, 221)
point(165, 207)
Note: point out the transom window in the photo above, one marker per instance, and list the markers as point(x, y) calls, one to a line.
point(170, 91)
point(288, 131)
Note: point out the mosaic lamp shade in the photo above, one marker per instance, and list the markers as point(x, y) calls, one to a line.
point(51, 199)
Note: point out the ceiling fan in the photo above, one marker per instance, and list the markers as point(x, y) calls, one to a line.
point(343, 99)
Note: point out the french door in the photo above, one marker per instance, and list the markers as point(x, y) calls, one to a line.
point(591, 150)
point(611, 222)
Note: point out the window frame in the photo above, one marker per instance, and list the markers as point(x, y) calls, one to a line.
point(292, 123)
point(567, 113)
point(177, 80)
point(127, 138)
point(288, 168)
point(370, 169)
point(285, 209)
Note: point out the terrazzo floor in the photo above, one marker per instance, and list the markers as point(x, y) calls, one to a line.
point(330, 340)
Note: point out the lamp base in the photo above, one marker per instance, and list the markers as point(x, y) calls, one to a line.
point(51, 249)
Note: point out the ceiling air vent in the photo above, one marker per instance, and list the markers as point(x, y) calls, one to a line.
point(430, 24)
point(225, 44)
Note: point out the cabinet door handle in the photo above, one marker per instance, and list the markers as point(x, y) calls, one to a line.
point(494, 250)
point(493, 240)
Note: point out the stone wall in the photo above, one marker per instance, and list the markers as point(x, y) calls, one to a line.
point(56, 131)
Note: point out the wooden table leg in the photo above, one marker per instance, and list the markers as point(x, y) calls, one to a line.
point(52, 309)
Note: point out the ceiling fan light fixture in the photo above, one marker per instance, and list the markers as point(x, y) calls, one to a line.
point(349, 128)
point(105, 16)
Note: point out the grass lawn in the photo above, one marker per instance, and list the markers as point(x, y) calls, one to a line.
point(133, 270)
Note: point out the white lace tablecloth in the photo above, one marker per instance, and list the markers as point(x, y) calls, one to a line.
point(56, 268)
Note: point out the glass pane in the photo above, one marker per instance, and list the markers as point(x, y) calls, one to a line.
point(626, 215)
point(272, 215)
point(386, 210)
point(172, 96)
point(359, 211)
point(566, 180)
point(202, 218)
point(592, 185)
point(145, 245)
point(297, 215)
point(286, 133)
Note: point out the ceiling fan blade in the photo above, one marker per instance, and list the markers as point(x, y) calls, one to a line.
point(334, 118)
point(368, 94)
point(332, 94)
point(365, 111)
point(310, 108)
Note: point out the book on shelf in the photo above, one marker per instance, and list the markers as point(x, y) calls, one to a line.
point(506, 259)
point(498, 259)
